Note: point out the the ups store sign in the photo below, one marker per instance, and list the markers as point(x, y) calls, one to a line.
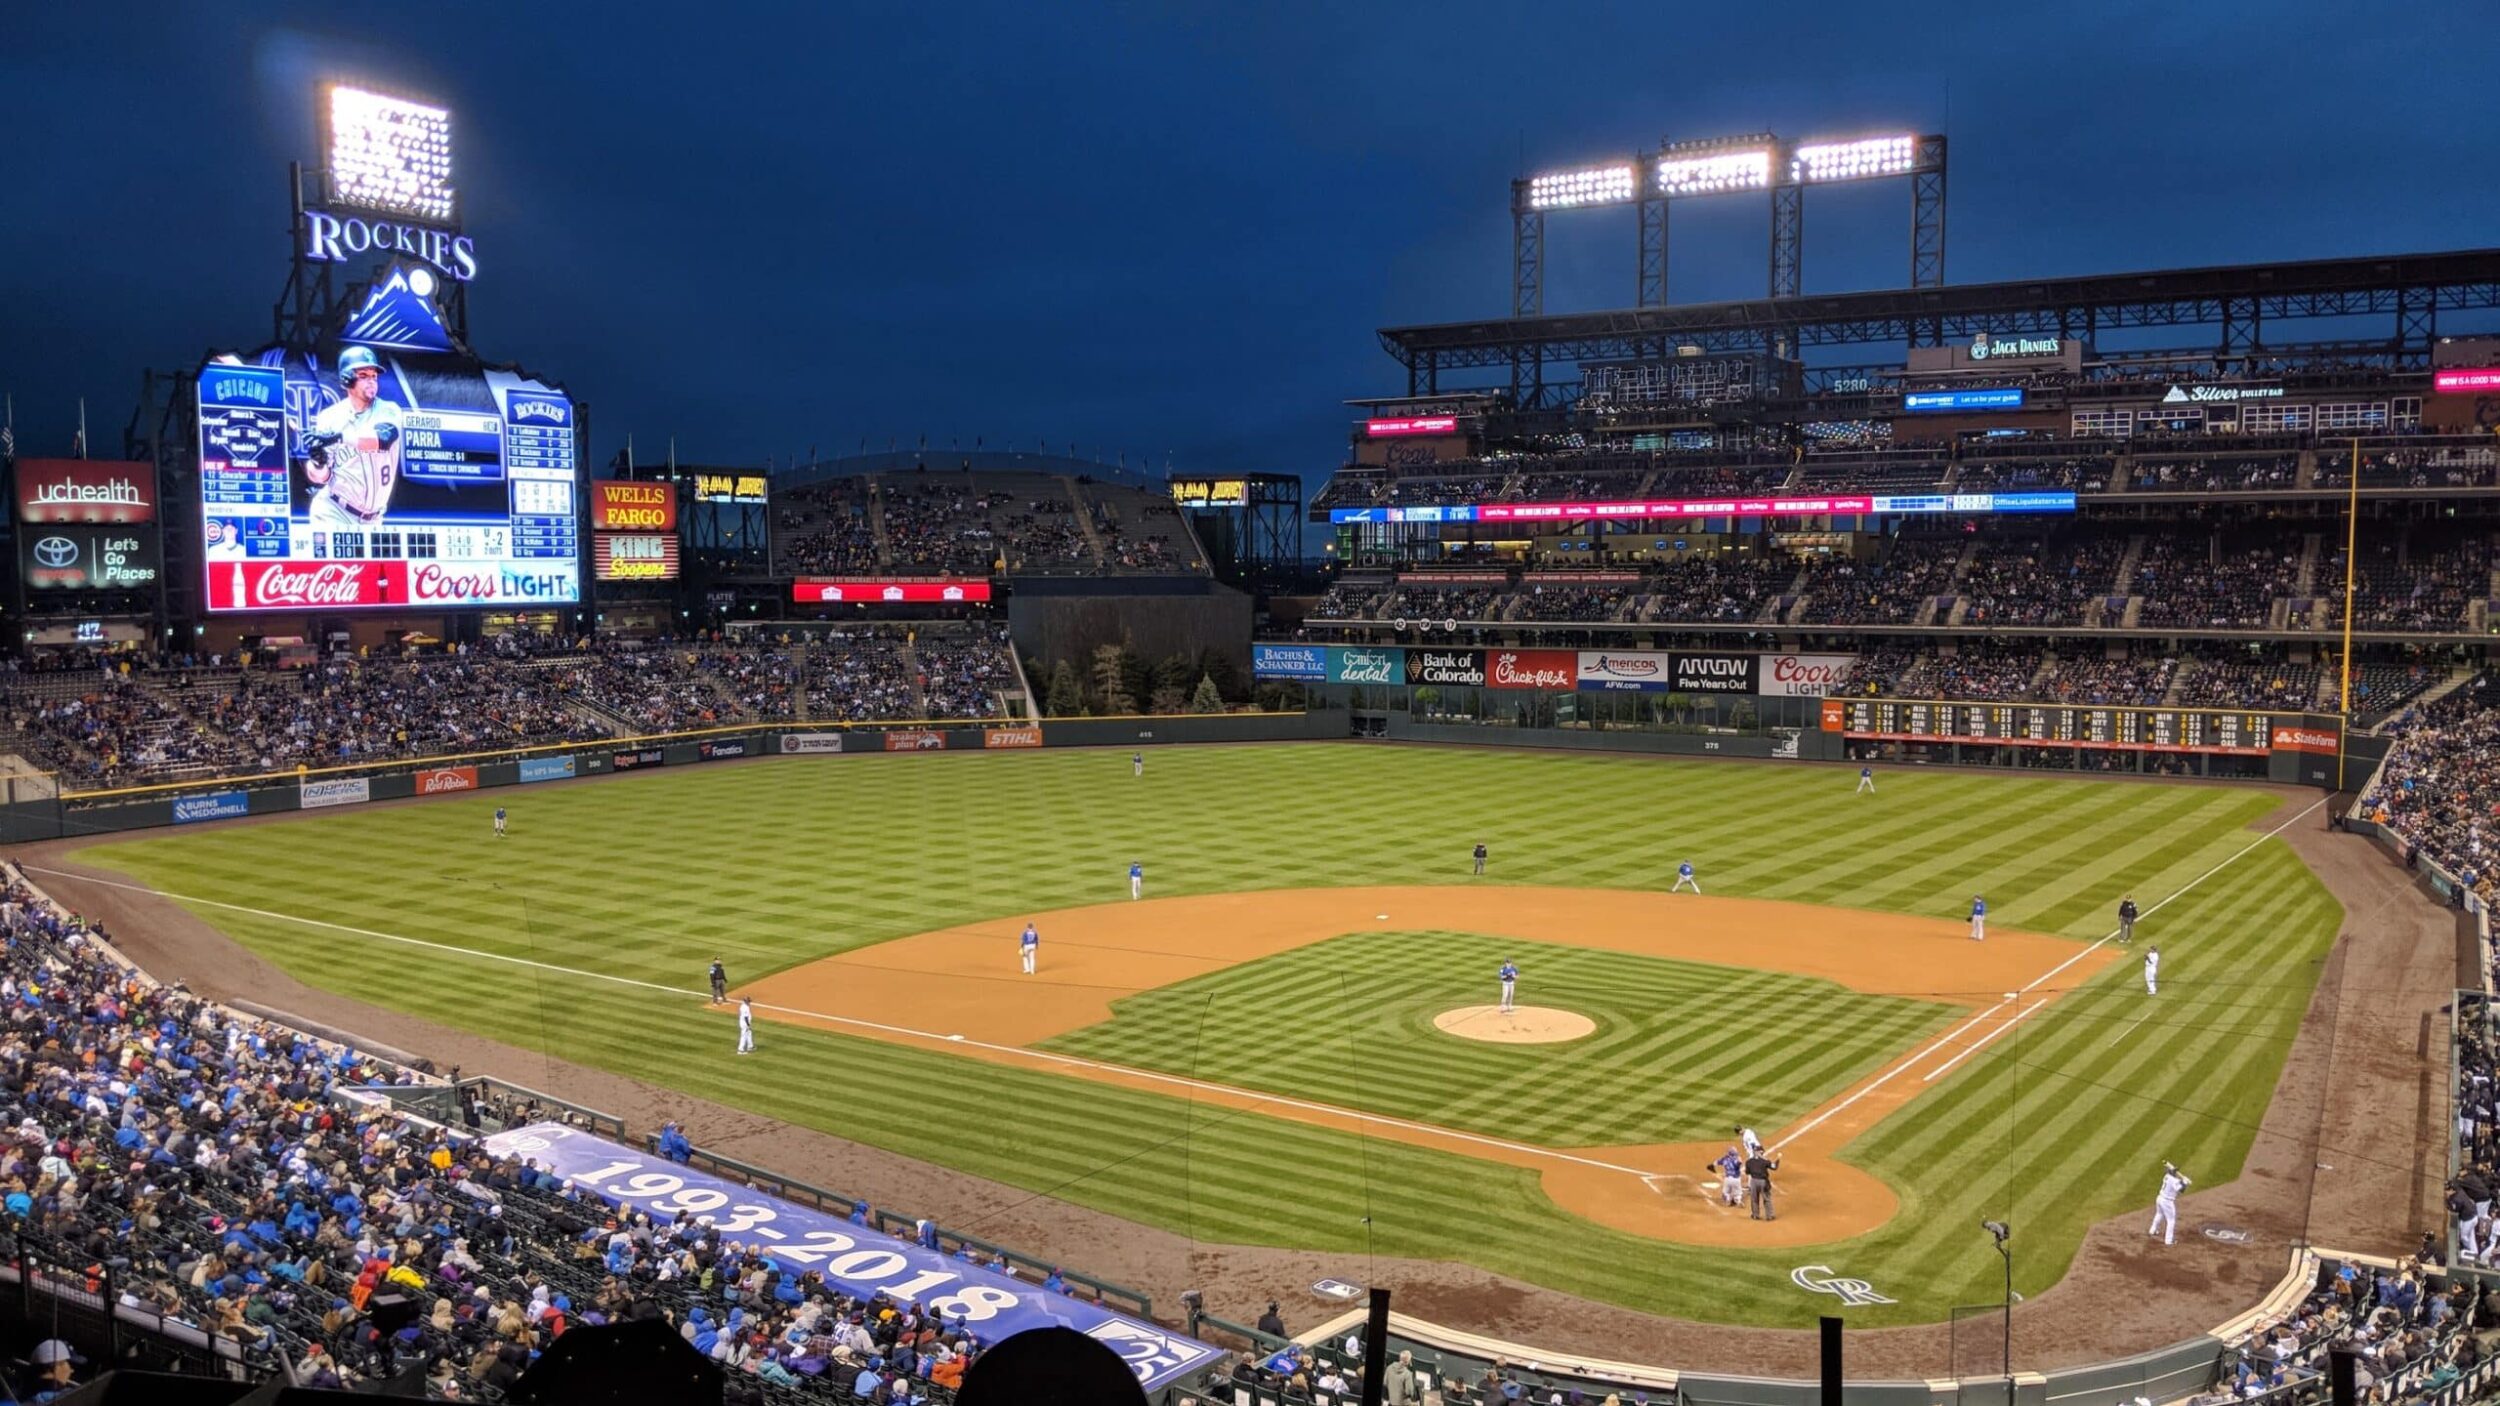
point(1453, 667)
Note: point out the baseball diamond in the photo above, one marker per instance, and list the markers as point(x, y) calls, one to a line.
point(1260, 980)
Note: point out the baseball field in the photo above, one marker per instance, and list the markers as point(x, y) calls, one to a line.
point(1283, 1043)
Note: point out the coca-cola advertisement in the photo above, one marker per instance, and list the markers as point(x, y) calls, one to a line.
point(347, 585)
point(1803, 675)
point(435, 781)
point(1555, 669)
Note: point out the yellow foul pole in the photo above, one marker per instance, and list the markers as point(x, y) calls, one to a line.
point(2352, 536)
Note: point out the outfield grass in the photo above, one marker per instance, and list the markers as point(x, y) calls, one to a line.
point(771, 863)
point(1680, 1047)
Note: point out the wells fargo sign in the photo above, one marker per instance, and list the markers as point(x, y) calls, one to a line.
point(620, 506)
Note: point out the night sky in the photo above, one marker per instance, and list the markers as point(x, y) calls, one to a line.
point(1164, 230)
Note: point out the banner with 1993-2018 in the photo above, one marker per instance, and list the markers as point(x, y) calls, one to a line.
point(856, 1258)
point(1558, 670)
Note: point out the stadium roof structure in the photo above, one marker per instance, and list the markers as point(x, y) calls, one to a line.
point(2237, 299)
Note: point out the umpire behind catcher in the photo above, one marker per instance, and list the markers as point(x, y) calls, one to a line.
point(1758, 1169)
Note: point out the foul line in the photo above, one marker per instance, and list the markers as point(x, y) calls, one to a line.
point(1955, 1034)
point(1259, 1100)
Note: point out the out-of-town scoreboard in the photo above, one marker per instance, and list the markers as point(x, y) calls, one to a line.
point(2236, 733)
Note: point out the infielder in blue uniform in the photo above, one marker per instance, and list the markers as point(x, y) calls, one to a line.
point(1136, 880)
point(1866, 779)
point(1978, 918)
point(1510, 986)
point(1684, 877)
point(1031, 945)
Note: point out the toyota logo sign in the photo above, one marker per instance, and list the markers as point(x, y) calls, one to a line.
point(56, 552)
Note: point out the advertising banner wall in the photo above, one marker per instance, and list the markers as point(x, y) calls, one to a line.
point(915, 739)
point(546, 768)
point(633, 556)
point(217, 805)
point(69, 557)
point(1289, 661)
point(1351, 664)
point(1623, 670)
point(1711, 673)
point(810, 590)
point(721, 749)
point(855, 1258)
point(348, 791)
point(1556, 669)
point(1011, 737)
point(618, 505)
point(1802, 675)
point(637, 759)
point(85, 491)
point(435, 781)
point(802, 742)
point(1449, 668)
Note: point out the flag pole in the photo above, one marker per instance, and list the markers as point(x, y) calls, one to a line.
point(2352, 535)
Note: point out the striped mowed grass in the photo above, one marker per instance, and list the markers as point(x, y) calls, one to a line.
point(1680, 1049)
point(767, 864)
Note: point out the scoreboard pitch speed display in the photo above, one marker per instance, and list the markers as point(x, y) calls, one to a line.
point(2030, 724)
point(455, 486)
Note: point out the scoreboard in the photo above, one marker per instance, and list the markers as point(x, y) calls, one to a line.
point(2055, 725)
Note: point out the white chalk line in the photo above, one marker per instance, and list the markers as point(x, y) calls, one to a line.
point(1152, 1076)
point(1953, 1035)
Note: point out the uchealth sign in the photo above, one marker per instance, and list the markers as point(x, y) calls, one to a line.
point(856, 1259)
point(85, 490)
point(1445, 668)
point(1802, 675)
point(440, 780)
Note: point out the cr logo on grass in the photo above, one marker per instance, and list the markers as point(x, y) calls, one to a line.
point(1856, 1293)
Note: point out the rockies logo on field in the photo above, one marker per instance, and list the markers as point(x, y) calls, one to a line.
point(1856, 1293)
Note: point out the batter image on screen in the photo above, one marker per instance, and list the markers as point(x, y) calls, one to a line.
point(351, 457)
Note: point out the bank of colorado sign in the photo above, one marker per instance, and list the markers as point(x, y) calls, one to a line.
point(1445, 668)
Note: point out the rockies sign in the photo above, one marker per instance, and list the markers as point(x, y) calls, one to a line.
point(1819, 1279)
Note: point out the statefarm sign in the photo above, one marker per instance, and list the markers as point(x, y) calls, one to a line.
point(348, 585)
point(944, 590)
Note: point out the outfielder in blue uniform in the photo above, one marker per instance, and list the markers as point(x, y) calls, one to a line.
point(1684, 878)
point(1866, 779)
point(1031, 943)
point(1978, 918)
point(499, 820)
point(1136, 880)
point(1510, 985)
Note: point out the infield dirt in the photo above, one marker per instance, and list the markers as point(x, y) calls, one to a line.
point(985, 1008)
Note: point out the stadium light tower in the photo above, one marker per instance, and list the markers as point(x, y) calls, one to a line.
point(1758, 161)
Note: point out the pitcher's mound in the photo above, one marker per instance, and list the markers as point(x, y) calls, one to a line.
point(1524, 1025)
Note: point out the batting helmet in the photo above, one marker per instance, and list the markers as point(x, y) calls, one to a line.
point(356, 359)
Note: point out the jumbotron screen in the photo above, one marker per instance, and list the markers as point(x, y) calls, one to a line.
point(385, 480)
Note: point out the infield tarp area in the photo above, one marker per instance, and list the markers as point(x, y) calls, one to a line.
point(863, 1260)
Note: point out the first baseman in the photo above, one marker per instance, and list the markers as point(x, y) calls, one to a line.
point(1510, 986)
point(746, 1026)
point(1136, 879)
point(1978, 918)
point(2166, 1204)
point(1684, 876)
point(1031, 944)
point(2152, 971)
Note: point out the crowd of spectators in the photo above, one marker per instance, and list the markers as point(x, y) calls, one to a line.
point(1425, 601)
point(2235, 680)
point(2084, 475)
point(2439, 790)
point(2132, 681)
point(2475, 465)
point(1978, 670)
point(1041, 534)
point(1726, 587)
point(1350, 600)
point(965, 670)
point(2215, 473)
point(938, 527)
point(824, 529)
point(2042, 581)
point(664, 686)
point(1141, 532)
point(859, 674)
point(1890, 590)
point(1581, 604)
point(2230, 582)
point(2423, 580)
point(197, 1162)
point(2411, 1329)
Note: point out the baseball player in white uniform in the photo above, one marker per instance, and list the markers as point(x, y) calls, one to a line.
point(1684, 877)
point(353, 451)
point(2152, 971)
point(1510, 986)
point(1753, 1144)
point(746, 1026)
point(1031, 944)
point(2166, 1204)
point(1136, 879)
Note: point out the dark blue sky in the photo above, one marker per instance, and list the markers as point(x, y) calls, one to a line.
point(1164, 229)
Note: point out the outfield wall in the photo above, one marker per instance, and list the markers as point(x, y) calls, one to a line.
point(83, 813)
